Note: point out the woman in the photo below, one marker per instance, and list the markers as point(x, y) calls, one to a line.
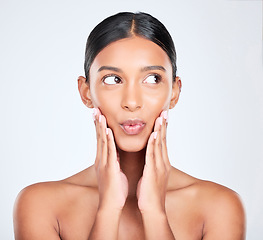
point(132, 191)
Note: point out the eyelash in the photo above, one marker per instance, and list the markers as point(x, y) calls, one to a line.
point(157, 76)
point(111, 75)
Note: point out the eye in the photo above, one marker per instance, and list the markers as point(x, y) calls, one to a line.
point(153, 79)
point(111, 79)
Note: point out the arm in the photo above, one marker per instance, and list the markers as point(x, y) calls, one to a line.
point(152, 187)
point(156, 226)
point(106, 225)
point(112, 184)
point(31, 220)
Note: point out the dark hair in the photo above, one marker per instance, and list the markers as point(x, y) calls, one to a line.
point(125, 25)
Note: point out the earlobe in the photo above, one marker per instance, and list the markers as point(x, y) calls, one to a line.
point(84, 91)
point(177, 85)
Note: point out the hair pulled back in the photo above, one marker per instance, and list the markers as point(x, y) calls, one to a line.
point(125, 25)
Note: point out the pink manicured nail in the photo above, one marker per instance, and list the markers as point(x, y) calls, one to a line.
point(94, 114)
point(165, 115)
point(161, 120)
point(100, 118)
point(155, 135)
point(107, 131)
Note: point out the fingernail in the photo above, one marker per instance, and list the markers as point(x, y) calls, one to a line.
point(100, 118)
point(165, 114)
point(107, 131)
point(161, 121)
point(155, 135)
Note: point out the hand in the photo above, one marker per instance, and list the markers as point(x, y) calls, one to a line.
point(112, 182)
point(151, 189)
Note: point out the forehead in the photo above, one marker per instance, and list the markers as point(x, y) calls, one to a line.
point(132, 53)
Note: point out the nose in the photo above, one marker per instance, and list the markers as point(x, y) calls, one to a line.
point(132, 98)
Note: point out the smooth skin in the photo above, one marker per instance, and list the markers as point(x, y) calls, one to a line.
point(131, 191)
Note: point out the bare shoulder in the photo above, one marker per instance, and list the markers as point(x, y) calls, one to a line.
point(39, 207)
point(223, 211)
point(219, 209)
point(35, 207)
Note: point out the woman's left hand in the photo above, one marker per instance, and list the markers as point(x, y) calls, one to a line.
point(152, 187)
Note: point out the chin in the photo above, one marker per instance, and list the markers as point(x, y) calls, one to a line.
point(134, 145)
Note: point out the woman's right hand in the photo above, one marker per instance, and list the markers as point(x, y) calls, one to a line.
point(112, 182)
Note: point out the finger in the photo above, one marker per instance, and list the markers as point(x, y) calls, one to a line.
point(158, 145)
point(112, 153)
point(155, 135)
point(96, 122)
point(96, 117)
point(103, 140)
point(95, 114)
point(163, 137)
point(156, 125)
point(149, 157)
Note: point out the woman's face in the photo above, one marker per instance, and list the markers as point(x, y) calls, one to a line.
point(131, 83)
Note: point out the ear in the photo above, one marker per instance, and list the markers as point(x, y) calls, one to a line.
point(177, 85)
point(84, 91)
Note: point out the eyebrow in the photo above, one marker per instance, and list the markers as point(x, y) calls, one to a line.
point(149, 68)
point(144, 69)
point(115, 69)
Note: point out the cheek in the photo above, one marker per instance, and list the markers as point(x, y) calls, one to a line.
point(101, 98)
point(158, 101)
point(154, 106)
point(107, 103)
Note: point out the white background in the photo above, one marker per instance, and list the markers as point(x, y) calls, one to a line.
point(215, 132)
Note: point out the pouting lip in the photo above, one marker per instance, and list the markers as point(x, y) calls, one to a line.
point(132, 126)
point(131, 122)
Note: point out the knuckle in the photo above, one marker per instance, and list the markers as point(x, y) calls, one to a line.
point(109, 151)
point(155, 169)
point(103, 141)
point(151, 156)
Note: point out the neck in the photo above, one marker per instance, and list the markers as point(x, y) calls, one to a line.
point(132, 165)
